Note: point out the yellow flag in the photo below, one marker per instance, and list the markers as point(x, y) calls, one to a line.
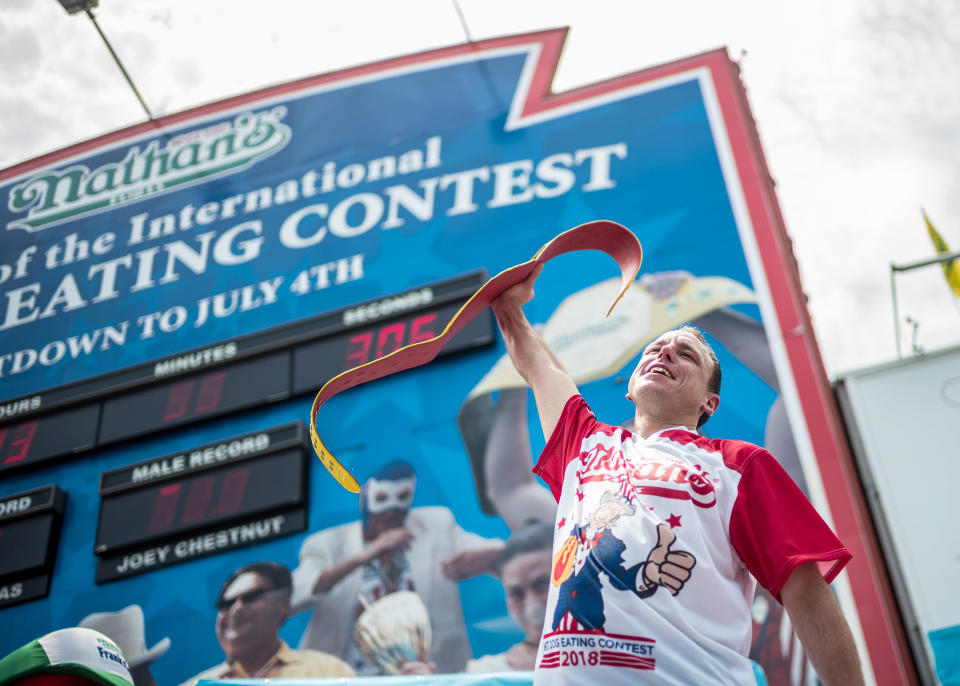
point(951, 269)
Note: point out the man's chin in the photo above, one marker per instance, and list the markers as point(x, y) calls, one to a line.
point(238, 635)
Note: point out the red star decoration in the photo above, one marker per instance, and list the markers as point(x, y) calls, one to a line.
point(580, 494)
point(563, 520)
point(674, 520)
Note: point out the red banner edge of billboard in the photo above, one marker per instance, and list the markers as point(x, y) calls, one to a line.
point(883, 631)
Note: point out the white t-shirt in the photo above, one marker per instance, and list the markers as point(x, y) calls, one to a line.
point(658, 547)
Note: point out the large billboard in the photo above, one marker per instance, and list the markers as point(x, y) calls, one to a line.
point(174, 293)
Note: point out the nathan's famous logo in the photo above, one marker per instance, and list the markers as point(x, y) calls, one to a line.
point(665, 479)
point(56, 196)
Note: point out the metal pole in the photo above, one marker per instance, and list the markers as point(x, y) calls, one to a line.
point(119, 64)
point(894, 268)
point(463, 21)
point(945, 257)
point(896, 314)
point(483, 65)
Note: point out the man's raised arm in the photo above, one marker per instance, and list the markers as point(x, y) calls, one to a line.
point(535, 362)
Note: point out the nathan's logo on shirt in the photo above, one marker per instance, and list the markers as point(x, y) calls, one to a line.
point(55, 196)
point(665, 479)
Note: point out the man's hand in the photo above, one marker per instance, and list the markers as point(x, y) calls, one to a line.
point(667, 568)
point(418, 668)
point(519, 294)
point(389, 541)
point(469, 563)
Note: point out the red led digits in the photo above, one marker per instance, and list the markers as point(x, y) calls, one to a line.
point(208, 396)
point(178, 400)
point(422, 328)
point(196, 507)
point(198, 499)
point(231, 493)
point(19, 442)
point(358, 350)
point(164, 508)
point(211, 386)
point(389, 338)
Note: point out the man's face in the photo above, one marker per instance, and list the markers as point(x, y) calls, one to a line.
point(671, 379)
point(249, 615)
point(526, 580)
point(387, 502)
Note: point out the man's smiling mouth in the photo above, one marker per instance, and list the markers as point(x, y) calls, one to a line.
point(660, 369)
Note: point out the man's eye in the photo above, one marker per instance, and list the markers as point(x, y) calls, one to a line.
point(381, 497)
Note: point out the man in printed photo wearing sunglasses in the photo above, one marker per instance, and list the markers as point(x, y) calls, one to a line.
point(252, 605)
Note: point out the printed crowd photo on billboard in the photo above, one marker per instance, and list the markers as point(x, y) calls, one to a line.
point(173, 296)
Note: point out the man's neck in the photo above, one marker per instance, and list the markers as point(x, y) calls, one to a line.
point(645, 426)
point(254, 660)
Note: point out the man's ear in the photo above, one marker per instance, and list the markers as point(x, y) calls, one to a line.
point(285, 610)
point(711, 404)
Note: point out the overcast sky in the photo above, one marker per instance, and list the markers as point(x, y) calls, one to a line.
point(856, 102)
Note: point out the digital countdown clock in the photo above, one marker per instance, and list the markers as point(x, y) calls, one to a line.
point(219, 391)
point(233, 493)
point(316, 363)
point(29, 536)
point(25, 443)
point(231, 376)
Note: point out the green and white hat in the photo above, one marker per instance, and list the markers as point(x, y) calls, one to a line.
point(81, 652)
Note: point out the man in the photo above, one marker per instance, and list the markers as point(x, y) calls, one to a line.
point(392, 547)
point(524, 570)
point(251, 606)
point(698, 522)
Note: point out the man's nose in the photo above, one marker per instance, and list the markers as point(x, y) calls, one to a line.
point(667, 352)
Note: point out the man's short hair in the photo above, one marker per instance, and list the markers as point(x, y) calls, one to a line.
point(532, 538)
point(274, 572)
point(713, 383)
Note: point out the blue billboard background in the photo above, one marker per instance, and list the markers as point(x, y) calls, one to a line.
point(461, 193)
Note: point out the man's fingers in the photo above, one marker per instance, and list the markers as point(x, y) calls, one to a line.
point(398, 538)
